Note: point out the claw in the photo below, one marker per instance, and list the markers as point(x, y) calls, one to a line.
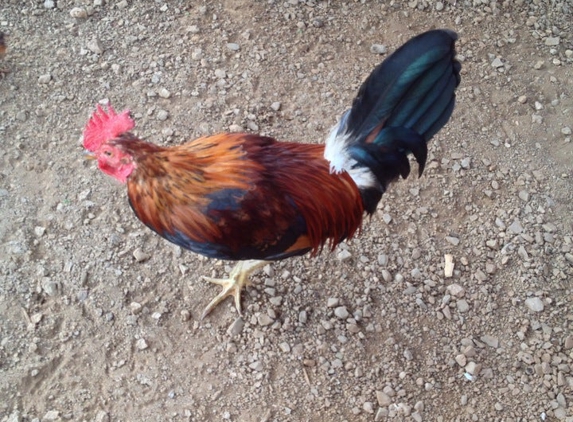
point(232, 286)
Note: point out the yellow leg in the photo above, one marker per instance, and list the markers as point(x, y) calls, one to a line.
point(232, 286)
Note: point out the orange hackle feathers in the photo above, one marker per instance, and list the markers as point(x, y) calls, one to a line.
point(104, 126)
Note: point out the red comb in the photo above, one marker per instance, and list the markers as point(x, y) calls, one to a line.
point(104, 126)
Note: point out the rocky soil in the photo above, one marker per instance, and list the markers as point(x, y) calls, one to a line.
point(99, 316)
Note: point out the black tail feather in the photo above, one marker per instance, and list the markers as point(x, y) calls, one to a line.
point(404, 102)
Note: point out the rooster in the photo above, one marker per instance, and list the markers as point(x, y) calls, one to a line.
point(253, 199)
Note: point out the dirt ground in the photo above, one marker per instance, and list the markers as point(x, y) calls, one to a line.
point(99, 317)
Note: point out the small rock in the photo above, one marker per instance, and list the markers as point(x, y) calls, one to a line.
point(44, 79)
point(79, 13)
point(524, 195)
point(101, 416)
point(233, 46)
point(197, 54)
point(497, 63)
point(220, 74)
point(276, 106)
point(515, 227)
point(456, 290)
point(341, 312)
point(122, 4)
point(378, 49)
point(568, 343)
point(51, 415)
point(368, 407)
point(534, 304)
point(343, 255)
point(140, 256)
point(141, 344)
point(473, 368)
point(491, 341)
point(236, 128)
point(461, 360)
point(164, 93)
point(264, 320)
point(49, 4)
point(462, 306)
point(95, 46)
point(285, 347)
point(453, 240)
point(552, 41)
point(384, 399)
point(236, 327)
point(332, 302)
point(49, 286)
point(162, 115)
point(135, 307)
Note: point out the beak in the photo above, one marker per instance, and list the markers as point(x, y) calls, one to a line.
point(89, 156)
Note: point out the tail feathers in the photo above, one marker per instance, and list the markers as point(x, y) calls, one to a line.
point(404, 102)
point(388, 160)
point(413, 76)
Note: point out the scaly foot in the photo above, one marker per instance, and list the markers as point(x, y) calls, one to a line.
point(232, 286)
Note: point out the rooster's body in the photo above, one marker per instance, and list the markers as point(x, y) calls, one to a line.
point(249, 197)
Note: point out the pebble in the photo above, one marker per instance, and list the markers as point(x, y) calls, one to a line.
point(236, 327)
point(341, 312)
point(233, 46)
point(264, 320)
point(162, 115)
point(44, 79)
point(383, 399)
point(49, 4)
point(51, 415)
point(276, 106)
point(456, 290)
point(568, 343)
point(332, 302)
point(101, 416)
point(140, 256)
point(552, 41)
point(497, 63)
point(462, 306)
point(461, 360)
point(135, 307)
point(141, 344)
point(534, 304)
point(491, 341)
point(453, 240)
point(378, 49)
point(236, 128)
point(515, 227)
point(343, 255)
point(164, 93)
point(78, 13)
point(49, 286)
point(95, 46)
point(524, 195)
point(122, 4)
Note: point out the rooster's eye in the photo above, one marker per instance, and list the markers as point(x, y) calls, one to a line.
point(108, 153)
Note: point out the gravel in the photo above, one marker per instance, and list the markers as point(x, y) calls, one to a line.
point(100, 316)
